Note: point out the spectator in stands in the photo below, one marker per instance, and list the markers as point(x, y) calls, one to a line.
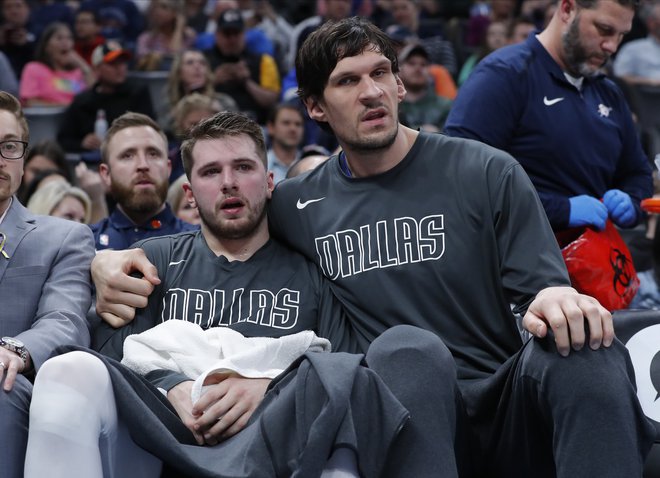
point(519, 29)
point(196, 16)
point(546, 102)
point(256, 40)
point(183, 208)
point(58, 72)
point(285, 135)
point(60, 199)
point(252, 80)
point(496, 37)
point(135, 169)
point(493, 11)
point(334, 10)
point(191, 73)
point(8, 80)
point(265, 18)
point(120, 19)
point(407, 22)
point(421, 108)
point(87, 34)
point(113, 93)
point(16, 40)
point(189, 111)
point(638, 61)
point(46, 155)
point(167, 36)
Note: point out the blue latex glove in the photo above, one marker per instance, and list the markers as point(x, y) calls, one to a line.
point(620, 207)
point(587, 211)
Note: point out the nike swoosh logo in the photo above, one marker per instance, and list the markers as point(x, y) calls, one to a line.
point(303, 205)
point(551, 102)
point(176, 263)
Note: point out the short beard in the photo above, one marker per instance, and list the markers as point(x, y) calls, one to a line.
point(575, 55)
point(239, 231)
point(139, 204)
point(373, 145)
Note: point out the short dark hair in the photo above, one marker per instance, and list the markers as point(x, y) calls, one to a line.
point(222, 125)
point(274, 112)
point(332, 42)
point(8, 102)
point(128, 120)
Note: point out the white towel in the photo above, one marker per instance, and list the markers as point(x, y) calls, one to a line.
point(186, 348)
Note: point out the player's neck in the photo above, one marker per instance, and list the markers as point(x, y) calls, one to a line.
point(237, 249)
point(369, 163)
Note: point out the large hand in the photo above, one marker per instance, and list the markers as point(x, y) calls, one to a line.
point(565, 311)
point(117, 293)
point(620, 207)
point(179, 397)
point(587, 211)
point(227, 405)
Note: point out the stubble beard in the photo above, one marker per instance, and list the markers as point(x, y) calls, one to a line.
point(233, 229)
point(371, 145)
point(576, 55)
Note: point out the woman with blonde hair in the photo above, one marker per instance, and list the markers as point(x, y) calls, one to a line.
point(184, 210)
point(189, 111)
point(166, 37)
point(60, 199)
point(191, 73)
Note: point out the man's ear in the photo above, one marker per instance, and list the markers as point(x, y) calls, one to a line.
point(566, 9)
point(270, 185)
point(315, 109)
point(104, 172)
point(188, 193)
point(401, 89)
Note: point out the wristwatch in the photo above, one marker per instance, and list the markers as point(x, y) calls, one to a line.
point(16, 346)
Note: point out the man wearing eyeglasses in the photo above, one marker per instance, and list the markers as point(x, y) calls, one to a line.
point(44, 288)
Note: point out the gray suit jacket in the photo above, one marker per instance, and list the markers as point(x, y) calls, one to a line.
point(45, 287)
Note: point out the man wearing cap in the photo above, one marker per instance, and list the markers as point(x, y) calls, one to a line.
point(253, 80)
point(113, 94)
point(421, 108)
point(135, 169)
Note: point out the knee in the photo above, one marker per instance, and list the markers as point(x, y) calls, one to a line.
point(68, 368)
point(601, 374)
point(408, 348)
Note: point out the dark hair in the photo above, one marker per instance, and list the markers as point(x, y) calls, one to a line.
point(222, 125)
point(40, 54)
point(92, 12)
point(8, 102)
point(274, 112)
point(128, 120)
point(332, 42)
point(53, 151)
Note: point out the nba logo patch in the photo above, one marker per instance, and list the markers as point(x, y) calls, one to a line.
point(104, 240)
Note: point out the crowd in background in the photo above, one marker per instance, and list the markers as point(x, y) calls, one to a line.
point(236, 55)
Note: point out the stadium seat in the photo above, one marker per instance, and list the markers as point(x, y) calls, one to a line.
point(43, 121)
